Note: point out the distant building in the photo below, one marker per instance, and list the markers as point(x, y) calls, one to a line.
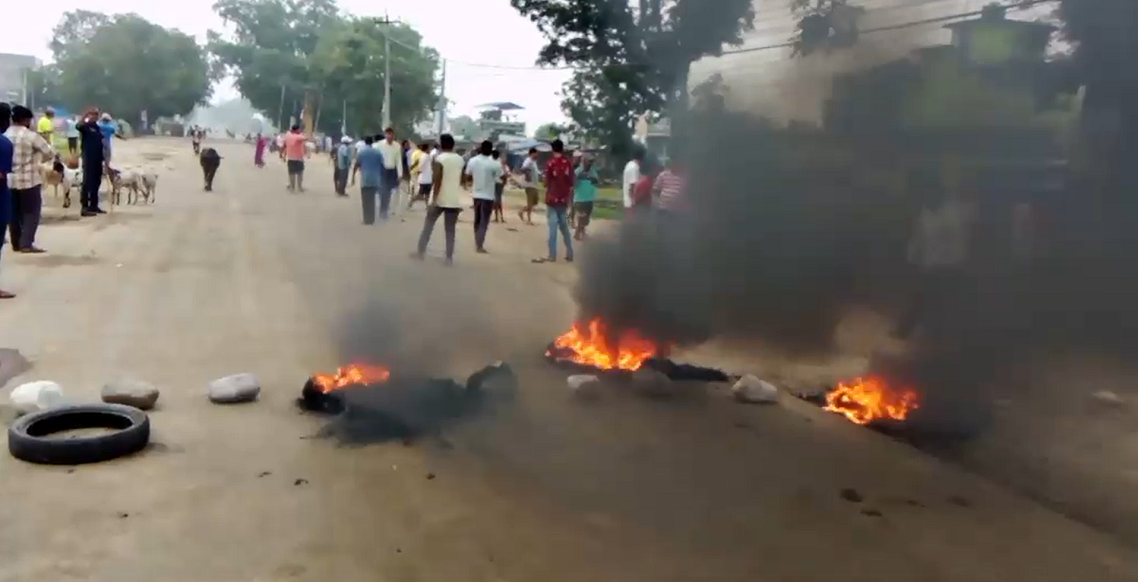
point(13, 76)
point(500, 118)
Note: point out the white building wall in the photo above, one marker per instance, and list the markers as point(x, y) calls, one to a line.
point(773, 83)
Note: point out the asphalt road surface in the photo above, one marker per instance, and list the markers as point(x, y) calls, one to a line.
point(252, 278)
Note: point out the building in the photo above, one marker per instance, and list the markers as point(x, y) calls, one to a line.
point(497, 119)
point(13, 76)
point(769, 80)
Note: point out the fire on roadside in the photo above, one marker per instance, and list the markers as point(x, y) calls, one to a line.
point(865, 400)
point(350, 375)
point(592, 344)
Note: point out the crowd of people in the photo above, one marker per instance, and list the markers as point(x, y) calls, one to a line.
point(438, 175)
point(80, 143)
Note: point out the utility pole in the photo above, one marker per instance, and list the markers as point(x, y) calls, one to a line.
point(386, 81)
point(280, 110)
point(441, 109)
point(344, 119)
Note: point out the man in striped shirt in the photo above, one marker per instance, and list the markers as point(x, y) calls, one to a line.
point(30, 151)
point(670, 190)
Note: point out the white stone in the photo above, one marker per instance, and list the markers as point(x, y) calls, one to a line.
point(584, 385)
point(1108, 398)
point(751, 389)
point(130, 392)
point(33, 396)
point(233, 389)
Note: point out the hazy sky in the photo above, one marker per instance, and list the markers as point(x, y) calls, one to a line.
point(471, 31)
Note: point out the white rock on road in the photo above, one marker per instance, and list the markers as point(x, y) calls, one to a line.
point(584, 385)
point(33, 396)
point(131, 392)
point(233, 389)
point(751, 389)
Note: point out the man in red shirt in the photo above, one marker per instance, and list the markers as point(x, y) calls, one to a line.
point(295, 153)
point(558, 194)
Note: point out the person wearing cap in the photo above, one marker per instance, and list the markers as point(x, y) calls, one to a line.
point(6, 154)
point(29, 151)
point(109, 128)
point(344, 155)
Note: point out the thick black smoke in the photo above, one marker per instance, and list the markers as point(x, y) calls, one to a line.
point(790, 231)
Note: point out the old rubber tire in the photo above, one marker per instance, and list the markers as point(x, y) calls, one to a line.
point(28, 435)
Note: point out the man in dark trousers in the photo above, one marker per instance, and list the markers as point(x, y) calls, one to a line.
point(211, 161)
point(94, 161)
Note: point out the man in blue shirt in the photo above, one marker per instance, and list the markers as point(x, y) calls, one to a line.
point(6, 153)
point(369, 163)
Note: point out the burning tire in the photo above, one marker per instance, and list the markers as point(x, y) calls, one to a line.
point(30, 437)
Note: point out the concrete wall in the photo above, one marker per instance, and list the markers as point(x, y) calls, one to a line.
point(12, 69)
point(773, 83)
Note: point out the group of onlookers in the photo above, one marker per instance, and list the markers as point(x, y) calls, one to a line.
point(25, 154)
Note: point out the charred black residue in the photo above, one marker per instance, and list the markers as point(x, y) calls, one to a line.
point(563, 357)
point(405, 407)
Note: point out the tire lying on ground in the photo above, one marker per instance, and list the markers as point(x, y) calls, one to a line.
point(33, 437)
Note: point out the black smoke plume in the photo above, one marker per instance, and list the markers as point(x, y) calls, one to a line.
point(790, 230)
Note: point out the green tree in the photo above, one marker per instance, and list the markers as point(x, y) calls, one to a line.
point(464, 126)
point(550, 131)
point(270, 46)
point(349, 67)
point(631, 58)
point(74, 30)
point(43, 85)
point(131, 65)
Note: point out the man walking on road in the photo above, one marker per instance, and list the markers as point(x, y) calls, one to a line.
point(6, 153)
point(93, 153)
point(343, 159)
point(558, 194)
point(485, 173)
point(369, 162)
point(392, 169)
point(446, 197)
point(295, 153)
point(425, 176)
point(29, 151)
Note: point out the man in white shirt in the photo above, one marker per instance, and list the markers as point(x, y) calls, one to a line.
point(532, 174)
point(425, 176)
point(631, 176)
point(392, 168)
point(485, 172)
point(446, 197)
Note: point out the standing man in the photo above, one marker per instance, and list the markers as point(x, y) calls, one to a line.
point(532, 176)
point(632, 171)
point(109, 129)
point(29, 151)
point(343, 158)
point(669, 192)
point(6, 153)
point(446, 197)
point(94, 160)
point(393, 161)
point(72, 128)
point(425, 176)
point(485, 173)
point(294, 154)
point(46, 125)
point(369, 162)
point(584, 195)
point(558, 194)
point(500, 187)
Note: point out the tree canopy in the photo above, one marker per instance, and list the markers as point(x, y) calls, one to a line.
point(126, 64)
point(631, 58)
point(308, 48)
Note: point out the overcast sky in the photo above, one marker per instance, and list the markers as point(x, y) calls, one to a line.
point(471, 31)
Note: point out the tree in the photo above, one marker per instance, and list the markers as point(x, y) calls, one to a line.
point(631, 58)
point(270, 48)
point(74, 30)
point(550, 131)
point(129, 64)
point(350, 65)
point(464, 126)
point(280, 51)
point(43, 85)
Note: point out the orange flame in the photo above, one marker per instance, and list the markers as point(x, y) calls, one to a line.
point(864, 400)
point(589, 345)
point(349, 375)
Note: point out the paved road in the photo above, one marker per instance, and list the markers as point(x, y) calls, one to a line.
point(252, 278)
